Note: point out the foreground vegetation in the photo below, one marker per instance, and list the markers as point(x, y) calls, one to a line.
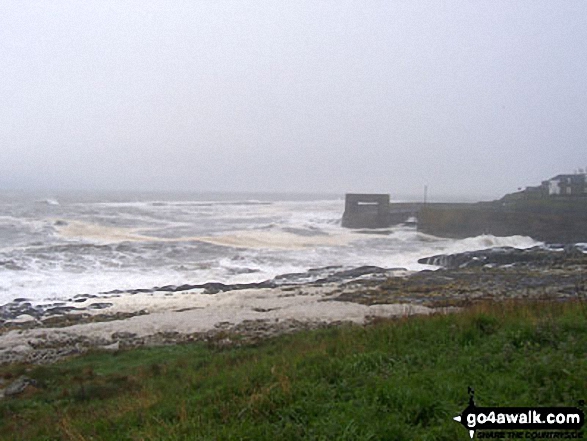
point(396, 380)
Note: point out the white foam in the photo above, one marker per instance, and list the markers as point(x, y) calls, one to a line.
point(100, 233)
point(275, 240)
point(149, 243)
point(487, 241)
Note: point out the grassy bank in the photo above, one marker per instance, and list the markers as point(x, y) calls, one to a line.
point(396, 380)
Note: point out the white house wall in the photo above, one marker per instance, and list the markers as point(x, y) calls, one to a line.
point(553, 187)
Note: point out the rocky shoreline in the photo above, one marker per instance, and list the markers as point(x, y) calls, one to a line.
point(83, 308)
point(224, 315)
point(555, 273)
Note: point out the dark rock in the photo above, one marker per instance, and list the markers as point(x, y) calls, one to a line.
point(100, 305)
point(114, 291)
point(296, 277)
point(56, 304)
point(326, 268)
point(265, 284)
point(17, 387)
point(214, 287)
point(187, 287)
point(536, 256)
point(353, 274)
point(123, 335)
point(12, 310)
point(62, 309)
point(84, 296)
point(141, 290)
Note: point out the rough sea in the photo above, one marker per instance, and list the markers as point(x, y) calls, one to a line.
point(55, 246)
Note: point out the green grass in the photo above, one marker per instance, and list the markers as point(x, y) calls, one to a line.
point(393, 380)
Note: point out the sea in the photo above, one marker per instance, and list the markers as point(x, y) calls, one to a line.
point(54, 246)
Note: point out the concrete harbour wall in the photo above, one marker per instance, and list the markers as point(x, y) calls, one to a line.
point(557, 220)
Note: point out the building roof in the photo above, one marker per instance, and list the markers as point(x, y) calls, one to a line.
point(570, 177)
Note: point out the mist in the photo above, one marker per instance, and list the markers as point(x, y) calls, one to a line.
point(471, 99)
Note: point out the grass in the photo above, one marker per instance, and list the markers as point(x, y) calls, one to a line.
point(393, 380)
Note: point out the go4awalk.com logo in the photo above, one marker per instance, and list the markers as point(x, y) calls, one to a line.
point(522, 422)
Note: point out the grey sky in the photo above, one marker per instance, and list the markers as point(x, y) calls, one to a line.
point(469, 97)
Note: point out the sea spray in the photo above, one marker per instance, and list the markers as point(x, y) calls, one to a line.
point(96, 244)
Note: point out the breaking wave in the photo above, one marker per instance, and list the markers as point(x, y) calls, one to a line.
point(54, 251)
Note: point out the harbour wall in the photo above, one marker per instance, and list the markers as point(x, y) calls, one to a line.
point(556, 220)
point(461, 222)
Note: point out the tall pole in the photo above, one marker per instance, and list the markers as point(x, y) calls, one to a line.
point(425, 194)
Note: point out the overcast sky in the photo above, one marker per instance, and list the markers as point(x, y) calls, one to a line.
point(468, 97)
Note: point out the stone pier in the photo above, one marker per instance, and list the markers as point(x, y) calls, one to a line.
point(375, 211)
point(560, 219)
point(366, 211)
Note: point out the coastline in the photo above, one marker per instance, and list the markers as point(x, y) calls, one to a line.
point(236, 315)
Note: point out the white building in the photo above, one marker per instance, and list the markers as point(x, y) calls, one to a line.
point(567, 185)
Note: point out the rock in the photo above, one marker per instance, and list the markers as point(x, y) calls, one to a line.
point(17, 387)
point(186, 287)
point(23, 318)
point(142, 290)
point(111, 347)
point(265, 309)
point(61, 310)
point(114, 291)
point(214, 287)
point(14, 309)
point(354, 273)
point(536, 256)
point(84, 296)
point(100, 305)
point(123, 335)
